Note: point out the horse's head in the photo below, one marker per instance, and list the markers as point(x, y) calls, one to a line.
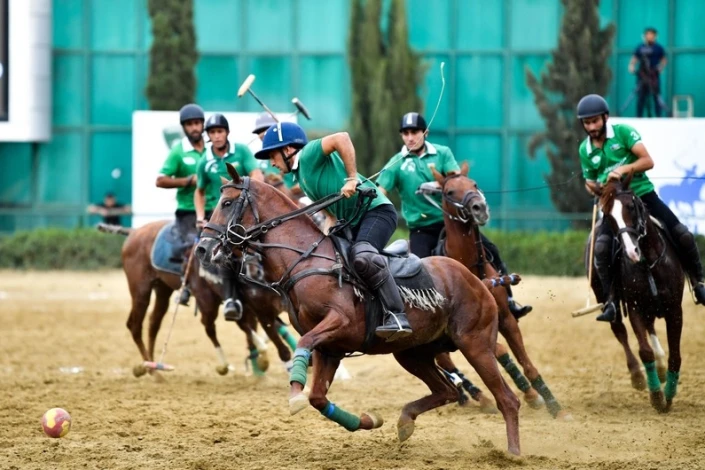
point(626, 214)
point(235, 214)
point(462, 199)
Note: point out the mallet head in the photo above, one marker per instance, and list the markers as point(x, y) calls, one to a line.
point(245, 85)
point(301, 108)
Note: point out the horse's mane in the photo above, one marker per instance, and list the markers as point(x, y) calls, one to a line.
point(261, 187)
point(612, 188)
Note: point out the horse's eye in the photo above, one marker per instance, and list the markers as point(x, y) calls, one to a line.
point(450, 192)
point(227, 203)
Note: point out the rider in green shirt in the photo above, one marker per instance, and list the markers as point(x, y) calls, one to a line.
point(263, 122)
point(210, 171)
point(410, 169)
point(609, 152)
point(179, 171)
point(321, 167)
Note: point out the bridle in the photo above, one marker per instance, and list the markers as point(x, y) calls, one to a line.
point(462, 215)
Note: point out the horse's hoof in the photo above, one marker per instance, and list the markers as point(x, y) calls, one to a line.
point(139, 370)
point(262, 362)
point(564, 415)
point(405, 429)
point(222, 369)
point(638, 380)
point(375, 420)
point(534, 400)
point(487, 406)
point(658, 401)
point(297, 403)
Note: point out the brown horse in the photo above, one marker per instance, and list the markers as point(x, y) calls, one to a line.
point(465, 209)
point(143, 278)
point(331, 317)
point(649, 282)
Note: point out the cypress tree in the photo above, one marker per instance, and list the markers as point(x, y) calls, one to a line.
point(579, 66)
point(173, 55)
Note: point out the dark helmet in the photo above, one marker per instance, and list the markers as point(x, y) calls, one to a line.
point(264, 121)
point(291, 134)
point(191, 111)
point(592, 105)
point(217, 120)
point(412, 121)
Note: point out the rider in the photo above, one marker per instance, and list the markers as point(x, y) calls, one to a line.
point(210, 170)
point(321, 167)
point(179, 171)
point(406, 172)
point(263, 122)
point(608, 153)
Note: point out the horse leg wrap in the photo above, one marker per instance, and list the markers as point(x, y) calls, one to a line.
point(671, 387)
point(551, 403)
point(300, 366)
point(286, 336)
point(652, 379)
point(519, 380)
point(340, 416)
point(254, 354)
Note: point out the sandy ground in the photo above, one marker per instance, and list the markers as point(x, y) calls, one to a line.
point(63, 343)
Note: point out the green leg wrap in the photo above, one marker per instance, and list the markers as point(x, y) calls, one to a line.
point(254, 354)
point(519, 380)
point(286, 336)
point(300, 366)
point(340, 416)
point(551, 403)
point(652, 379)
point(671, 387)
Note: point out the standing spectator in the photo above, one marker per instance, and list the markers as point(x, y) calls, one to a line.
point(110, 209)
point(651, 58)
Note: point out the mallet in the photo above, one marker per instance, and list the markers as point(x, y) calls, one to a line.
point(300, 108)
point(590, 308)
point(246, 87)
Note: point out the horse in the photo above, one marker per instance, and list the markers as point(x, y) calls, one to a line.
point(465, 210)
point(648, 282)
point(456, 311)
point(143, 278)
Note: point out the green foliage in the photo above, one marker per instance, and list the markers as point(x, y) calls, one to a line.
point(54, 248)
point(173, 55)
point(386, 75)
point(579, 66)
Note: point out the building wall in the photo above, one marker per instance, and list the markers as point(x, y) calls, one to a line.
point(298, 48)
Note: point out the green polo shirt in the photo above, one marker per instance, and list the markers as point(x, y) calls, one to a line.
point(182, 162)
point(597, 163)
point(320, 175)
point(406, 171)
point(212, 167)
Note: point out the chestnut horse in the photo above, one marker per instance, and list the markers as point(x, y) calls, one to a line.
point(465, 209)
point(143, 278)
point(649, 282)
point(331, 316)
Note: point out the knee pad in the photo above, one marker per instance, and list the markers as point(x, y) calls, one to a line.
point(368, 263)
point(682, 235)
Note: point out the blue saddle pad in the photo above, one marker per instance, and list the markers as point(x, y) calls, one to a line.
point(163, 248)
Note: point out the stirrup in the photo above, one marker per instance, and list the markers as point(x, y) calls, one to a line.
point(519, 310)
point(233, 310)
point(609, 313)
point(394, 327)
point(184, 297)
point(699, 293)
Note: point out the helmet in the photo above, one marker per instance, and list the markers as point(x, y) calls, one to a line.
point(191, 111)
point(217, 120)
point(412, 121)
point(592, 105)
point(264, 121)
point(291, 134)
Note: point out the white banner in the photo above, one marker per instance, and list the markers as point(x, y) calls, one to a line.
point(153, 135)
point(677, 147)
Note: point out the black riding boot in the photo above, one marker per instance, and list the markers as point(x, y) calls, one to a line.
point(690, 258)
point(517, 309)
point(372, 268)
point(603, 259)
point(185, 295)
point(232, 310)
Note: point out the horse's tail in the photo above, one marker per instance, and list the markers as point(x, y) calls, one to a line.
point(117, 229)
point(507, 280)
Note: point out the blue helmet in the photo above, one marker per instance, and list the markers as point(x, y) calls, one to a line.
point(291, 134)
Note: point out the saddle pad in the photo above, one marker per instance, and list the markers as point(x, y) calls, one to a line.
point(163, 248)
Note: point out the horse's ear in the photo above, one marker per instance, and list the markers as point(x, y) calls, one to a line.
point(437, 175)
point(224, 180)
point(233, 173)
point(465, 168)
point(627, 179)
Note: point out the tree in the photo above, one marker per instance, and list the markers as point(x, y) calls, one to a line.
point(578, 67)
point(386, 75)
point(173, 55)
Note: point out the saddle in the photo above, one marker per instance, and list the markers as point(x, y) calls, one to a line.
point(163, 247)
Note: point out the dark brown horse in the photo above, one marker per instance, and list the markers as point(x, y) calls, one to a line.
point(465, 209)
point(143, 279)
point(649, 283)
point(331, 319)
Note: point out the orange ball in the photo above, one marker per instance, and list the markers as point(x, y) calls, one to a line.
point(56, 422)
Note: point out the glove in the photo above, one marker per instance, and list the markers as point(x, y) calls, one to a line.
point(431, 187)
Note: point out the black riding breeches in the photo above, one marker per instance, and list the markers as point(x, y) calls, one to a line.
point(376, 227)
point(423, 240)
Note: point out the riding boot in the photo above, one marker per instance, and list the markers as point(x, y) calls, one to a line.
point(515, 308)
point(232, 310)
point(185, 295)
point(603, 259)
point(690, 258)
